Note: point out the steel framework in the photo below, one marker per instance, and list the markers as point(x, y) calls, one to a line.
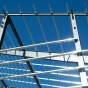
point(27, 56)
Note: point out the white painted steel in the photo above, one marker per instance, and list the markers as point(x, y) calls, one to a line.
point(82, 72)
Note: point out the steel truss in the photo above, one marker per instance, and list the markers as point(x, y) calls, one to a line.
point(75, 56)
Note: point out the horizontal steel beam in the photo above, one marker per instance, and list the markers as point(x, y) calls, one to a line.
point(60, 74)
point(45, 85)
point(34, 54)
point(54, 80)
point(46, 14)
point(39, 44)
point(43, 57)
point(44, 72)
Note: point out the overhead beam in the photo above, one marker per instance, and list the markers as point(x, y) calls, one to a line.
point(16, 52)
point(44, 72)
point(45, 14)
point(34, 54)
point(43, 57)
point(53, 80)
point(48, 56)
point(39, 44)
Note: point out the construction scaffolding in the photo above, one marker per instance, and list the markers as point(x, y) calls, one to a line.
point(42, 62)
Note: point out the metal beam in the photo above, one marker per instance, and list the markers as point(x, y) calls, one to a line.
point(30, 54)
point(44, 72)
point(53, 43)
point(46, 14)
point(20, 43)
point(40, 44)
point(3, 29)
point(61, 74)
point(4, 84)
point(2, 34)
point(34, 54)
point(80, 59)
point(53, 80)
point(43, 57)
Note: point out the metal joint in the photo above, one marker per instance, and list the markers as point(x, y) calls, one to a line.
point(87, 13)
point(5, 14)
point(24, 53)
point(79, 54)
point(36, 13)
point(76, 40)
point(72, 14)
point(81, 70)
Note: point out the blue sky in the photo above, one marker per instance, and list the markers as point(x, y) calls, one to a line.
point(42, 6)
point(63, 25)
point(58, 5)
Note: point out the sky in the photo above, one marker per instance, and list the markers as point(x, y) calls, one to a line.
point(57, 6)
point(64, 29)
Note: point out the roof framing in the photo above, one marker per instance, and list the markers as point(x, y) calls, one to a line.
point(35, 55)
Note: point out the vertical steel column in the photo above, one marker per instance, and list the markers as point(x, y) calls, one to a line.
point(2, 33)
point(82, 72)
